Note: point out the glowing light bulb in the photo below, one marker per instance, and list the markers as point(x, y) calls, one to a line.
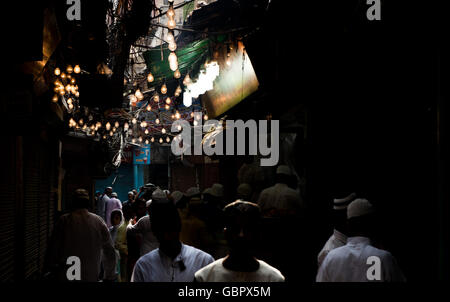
point(163, 130)
point(157, 121)
point(134, 120)
point(116, 124)
point(133, 140)
point(187, 99)
point(169, 37)
point(144, 124)
point(84, 127)
point(167, 107)
point(195, 123)
point(108, 126)
point(55, 98)
point(146, 142)
point(77, 94)
point(172, 46)
point(186, 80)
point(173, 116)
point(205, 117)
point(57, 71)
point(156, 98)
point(80, 122)
point(68, 88)
point(149, 108)
point(72, 81)
point(168, 101)
point(77, 69)
point(69, 101)
point(63, 75)
point(98, 125)
point(168, 139)
point(177, 74)
point(140, 139)
point(146, 131)
point(228, 61)
point(171, 23)
point(173, 61)
point(179, 127)
point(126, 126)
point(160, 140)
point(177, 115)
point(164, 89)
point(92, 127)
point(192, 114)
point(139, 95)
point(70, 106)
point(69, 69)
point(150, 78)
point(170, 12)
point(114, 129)
point(152, 139)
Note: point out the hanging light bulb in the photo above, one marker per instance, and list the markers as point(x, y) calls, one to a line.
point(69, 69)
point(177, 74)
point(57, 71)
point(146, 142)
point(150, 78)
point(77, 94)
point(177, 115)
point(168, 101)
point(69, 101)
point(179, 127)
point(70, 106)
point(68, 88)
point(173, 116)
point(170, 12)
point(84, 127)
point(146, 131)
point(55, 98)
point(152, 139)
point(98, 125)
point(156, 98)
point(111, 133)
point(173, 61)
point(186, 80)
point(126, 126)
point(160, 140)
point(157, 121)
point(114, 129)
point(164, 89)
point(140, 139)
point(170, 37)
point(72, 81)
point(167, 107)
point(139, 95)
point(77, 69)
point(192, 114)
point(195, 123)
point(63, 75)
point(108, 126)
point(134, 120)
point(172, 46)
point(133, 140)
point(92, 127)
point(80, 122)
point(205, 117)
point(116, 124)
point(171, 23)
point(163, 130)
point(149, 108)
point(168, 139)
point(144, 124)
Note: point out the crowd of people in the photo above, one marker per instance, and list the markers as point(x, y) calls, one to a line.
point(160, 236)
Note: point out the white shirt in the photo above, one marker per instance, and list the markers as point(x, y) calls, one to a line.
point(149, 240)
point(216, 272)
point(86, 236)
point(336, 240)
point(280, 197)
point(157, 267)
point(349, 263)
point(110, 205)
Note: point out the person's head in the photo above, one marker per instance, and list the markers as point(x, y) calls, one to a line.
point(166, 225)
point(116, 217)
point(139, 208)
point(108, 191)
point(244, 191)
point(127, 210)
point(177, 198)
point(339, 214)
point(97, 194)
point(80, 199)
point(242, 226)
point(283, 175)
point(360, 218)
point(214, 195)
point(114, 195)
point(130, 196)
point(134, 192)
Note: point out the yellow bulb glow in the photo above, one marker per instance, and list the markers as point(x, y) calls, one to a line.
point(68, 88)
point(168, 101)
point(80, 122)
point(169, 37)
point(160, 140)
point(69, 101)
point(116, 124)
point(77, 69)
point(134, 120)
point(146, 142)
point(177, 74)
point(157, 121)
point(55, 98)
point(57, 71)
point(163, 130)
point(126, 126)
point(177, 115)
point(195, 123)
point(133, 140)
point(152, 139)
point(72, 81)
point(168, 139)
point(171, 23)
point(156, 98)
point(172, 46)
point(164, 89)
point(63, 75)
point(69, 69)
point(205, 117)
point(140, 139)
point(108, 126)
point(150, 78)
point(77, 94)
point(167, 107)
point(186, 80)
point(70, 106)
point(170, 12)
point(146, 131)
point(149, 108)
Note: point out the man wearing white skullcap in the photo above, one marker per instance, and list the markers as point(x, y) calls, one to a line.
point(280, 199)
point(358, 260)
point(340, 226)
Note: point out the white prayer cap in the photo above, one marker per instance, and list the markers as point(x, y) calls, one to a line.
point(342, 203)
point(113, 194)
point(159, 194)
point(148, 203)
point(359, 207)
point(176, 196)
point(283, 169)
point(192, 191)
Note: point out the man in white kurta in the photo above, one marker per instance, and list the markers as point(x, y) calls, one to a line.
point(358, 260)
